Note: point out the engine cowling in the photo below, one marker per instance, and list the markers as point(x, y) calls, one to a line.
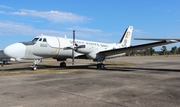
point(96, 56)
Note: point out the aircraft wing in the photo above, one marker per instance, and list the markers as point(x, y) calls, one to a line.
point(157, 39)
point(82, 57)
point(136, 47)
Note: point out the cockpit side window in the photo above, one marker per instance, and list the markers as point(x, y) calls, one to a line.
point(40, 39)
point(44, 39)
point(35, 39)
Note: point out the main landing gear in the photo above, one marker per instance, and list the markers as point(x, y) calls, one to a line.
point(5, 62)
point(100, 66)
point(63, 64)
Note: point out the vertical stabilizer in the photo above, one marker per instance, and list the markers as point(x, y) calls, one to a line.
point(126, 39)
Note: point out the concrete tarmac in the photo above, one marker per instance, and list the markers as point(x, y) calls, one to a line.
point(152, 81)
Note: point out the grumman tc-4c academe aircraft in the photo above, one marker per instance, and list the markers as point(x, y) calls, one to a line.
point(62, 48)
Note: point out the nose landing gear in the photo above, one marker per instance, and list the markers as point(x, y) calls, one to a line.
point(35, 63)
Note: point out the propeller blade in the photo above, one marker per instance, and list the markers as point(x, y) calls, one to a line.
point(73, 46)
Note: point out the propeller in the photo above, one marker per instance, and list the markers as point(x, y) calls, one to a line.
point(73, 47)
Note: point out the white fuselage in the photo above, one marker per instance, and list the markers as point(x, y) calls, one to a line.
point(55, 47)
point(51, 46)
point(62, 48)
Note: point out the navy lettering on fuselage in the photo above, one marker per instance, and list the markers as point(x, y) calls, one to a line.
point(90, 43)
point(103, 45)
point(77, 42)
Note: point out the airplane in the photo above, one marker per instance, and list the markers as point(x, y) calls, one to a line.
point(4, 58)
point(60, 48)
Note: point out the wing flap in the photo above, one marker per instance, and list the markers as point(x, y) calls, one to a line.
point(134, 48)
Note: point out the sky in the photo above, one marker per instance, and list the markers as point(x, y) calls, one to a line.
point(93, 20)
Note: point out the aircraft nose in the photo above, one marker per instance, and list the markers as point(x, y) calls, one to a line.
point(16, 50)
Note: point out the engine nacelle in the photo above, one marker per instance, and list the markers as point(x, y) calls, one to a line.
point(96, 56)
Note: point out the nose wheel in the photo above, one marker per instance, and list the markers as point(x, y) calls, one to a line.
point(100, 66)
point(34, 68)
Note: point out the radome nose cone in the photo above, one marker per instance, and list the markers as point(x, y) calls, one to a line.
point(16, 50)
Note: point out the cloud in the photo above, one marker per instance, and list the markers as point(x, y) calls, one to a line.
point(8, 28)
point(55, 16)
point(2, 12)
point(78, 28)
point(5, 7)
point(139, 32)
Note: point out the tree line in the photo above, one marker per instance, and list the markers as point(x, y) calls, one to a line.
point(150, 51)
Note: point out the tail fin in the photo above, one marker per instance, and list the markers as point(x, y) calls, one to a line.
point(126, 39)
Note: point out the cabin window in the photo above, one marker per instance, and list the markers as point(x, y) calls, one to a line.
point(44, 40)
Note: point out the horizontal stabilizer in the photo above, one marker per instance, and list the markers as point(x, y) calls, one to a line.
point(158, 39)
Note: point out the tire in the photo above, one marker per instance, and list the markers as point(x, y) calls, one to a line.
point(62, 64)
point(100, 66)
point(5, 62)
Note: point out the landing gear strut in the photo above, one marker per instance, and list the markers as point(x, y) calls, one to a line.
point(63, 64)
point(100, 66)
point(35, 63)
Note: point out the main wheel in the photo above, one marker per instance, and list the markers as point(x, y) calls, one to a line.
point(5, 62)
point(62, 64)
point(100, 66)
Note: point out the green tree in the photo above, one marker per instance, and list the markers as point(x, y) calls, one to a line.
point(174, 50)
point(164, 50)
point(178, 50)
point(152, 51)
point(149, 51)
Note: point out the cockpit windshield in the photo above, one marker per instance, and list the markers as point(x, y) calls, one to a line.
point(35, 39)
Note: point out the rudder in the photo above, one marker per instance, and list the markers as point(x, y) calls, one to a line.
point(126, 38)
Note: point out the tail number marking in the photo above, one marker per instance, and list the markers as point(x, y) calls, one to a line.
point(43, 45)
